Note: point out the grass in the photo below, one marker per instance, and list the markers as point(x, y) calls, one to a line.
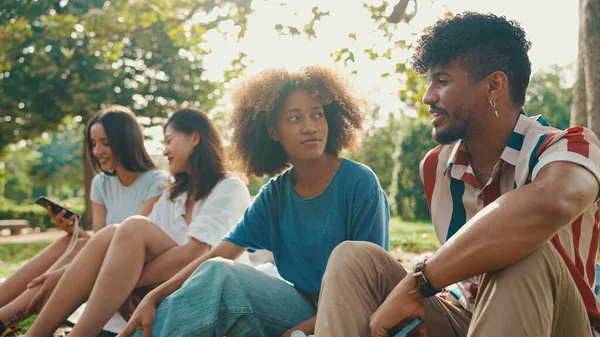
point(411, 236)
point(12, 255)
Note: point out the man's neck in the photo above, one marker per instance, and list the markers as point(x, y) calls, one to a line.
point(486, 149)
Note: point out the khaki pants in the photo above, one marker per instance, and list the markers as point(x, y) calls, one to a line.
point(535, 297)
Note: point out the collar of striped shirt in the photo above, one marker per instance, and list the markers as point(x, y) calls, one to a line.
point(458, 163)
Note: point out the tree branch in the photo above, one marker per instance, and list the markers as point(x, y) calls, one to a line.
point(399, 12)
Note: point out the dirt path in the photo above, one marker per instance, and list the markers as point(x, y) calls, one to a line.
point(49, 235)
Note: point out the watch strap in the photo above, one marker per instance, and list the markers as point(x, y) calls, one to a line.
point(421, 282)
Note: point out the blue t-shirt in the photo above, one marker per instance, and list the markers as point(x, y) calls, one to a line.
point(302, 233)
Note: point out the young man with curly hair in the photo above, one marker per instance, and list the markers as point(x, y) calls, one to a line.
point(513, 202)
point(298, 122)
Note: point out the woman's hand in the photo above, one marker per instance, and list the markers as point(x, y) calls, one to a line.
point(308, 327)
point(48, 282)
point(142, 318)
point(65, 224)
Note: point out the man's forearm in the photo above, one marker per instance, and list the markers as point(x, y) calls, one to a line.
point(498, 236)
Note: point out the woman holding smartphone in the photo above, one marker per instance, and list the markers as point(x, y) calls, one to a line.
point(192, 216)
point(128, 183)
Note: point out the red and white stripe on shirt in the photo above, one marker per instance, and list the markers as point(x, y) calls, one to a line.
point(454, 195)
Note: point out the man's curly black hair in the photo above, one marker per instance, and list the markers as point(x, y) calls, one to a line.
point(483, 43)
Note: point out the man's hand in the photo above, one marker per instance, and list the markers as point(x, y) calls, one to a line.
point(48, 282)
point(397, 307)
point(142, 318)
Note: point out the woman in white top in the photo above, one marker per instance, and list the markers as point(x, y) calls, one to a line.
point(203, 204)
point(129, 183)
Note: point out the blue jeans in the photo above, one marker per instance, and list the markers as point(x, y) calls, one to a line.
point(225, 298)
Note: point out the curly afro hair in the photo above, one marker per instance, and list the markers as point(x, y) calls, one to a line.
point(483, 43)
point(257, 100)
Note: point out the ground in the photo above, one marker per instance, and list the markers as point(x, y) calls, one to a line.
point(408, 241)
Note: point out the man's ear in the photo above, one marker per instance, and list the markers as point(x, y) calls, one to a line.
point(497, 85)
point(273, 134)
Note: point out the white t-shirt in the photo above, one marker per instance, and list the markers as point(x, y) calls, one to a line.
point(123, 201)
point(212, 217)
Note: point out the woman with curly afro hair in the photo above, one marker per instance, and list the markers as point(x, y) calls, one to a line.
point(298, 122)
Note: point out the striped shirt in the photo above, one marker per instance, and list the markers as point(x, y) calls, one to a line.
point(454, 196)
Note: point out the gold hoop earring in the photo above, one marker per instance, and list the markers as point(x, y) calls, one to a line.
point(493, 104)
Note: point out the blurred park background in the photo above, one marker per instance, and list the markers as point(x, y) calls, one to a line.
point(61, 61)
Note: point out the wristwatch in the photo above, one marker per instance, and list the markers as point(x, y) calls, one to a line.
point(422, 283)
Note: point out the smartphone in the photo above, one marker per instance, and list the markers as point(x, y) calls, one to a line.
point(56, 208)
point(409, 328)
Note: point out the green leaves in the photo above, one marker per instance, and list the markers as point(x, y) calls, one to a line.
point(59, 58)
point(550, 96)
point(13, 34)
point(344, 55)
point(308, 28)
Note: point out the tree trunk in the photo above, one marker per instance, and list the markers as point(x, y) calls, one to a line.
point(591, 12)
point(578, 108)
point(585, 110)
point(3, 179)
point(88, 174)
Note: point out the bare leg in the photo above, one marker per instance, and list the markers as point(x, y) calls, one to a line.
point(16, 284)
point(75, 285)
point(136, 242)
point(14, 312)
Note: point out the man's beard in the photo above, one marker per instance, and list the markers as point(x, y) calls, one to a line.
point(450, 134)
point(455, 129)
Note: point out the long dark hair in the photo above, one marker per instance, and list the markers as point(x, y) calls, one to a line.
point(126, 140)
point(207, 162)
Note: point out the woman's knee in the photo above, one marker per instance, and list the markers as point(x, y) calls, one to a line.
point(103, 236)
point(216, 265)
point(133, 227)
point(62, 243)
point(81, 242)
point(214, 270)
